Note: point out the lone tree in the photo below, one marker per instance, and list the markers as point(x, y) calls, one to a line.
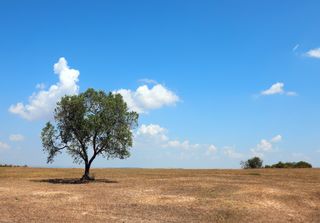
point(88, 125)
point(252, 163)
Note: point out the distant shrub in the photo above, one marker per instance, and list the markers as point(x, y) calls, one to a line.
point(278, 165)
point(301, 164)
point(9, 165)
point(252, 163)
point(255, 174)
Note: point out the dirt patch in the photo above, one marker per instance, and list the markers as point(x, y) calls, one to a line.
point(50, 193)
point(166, 199)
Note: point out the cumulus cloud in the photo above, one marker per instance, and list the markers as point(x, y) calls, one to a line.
point(42, 103)
point(16, 137)
point(266, 145)
point(152, 131)
point(277, 138)
point(4, 145)
point(232, 153)
point(314, 53)
point(278, 88)
point(186, 145)
point(212, 149)
point(144, 98)
point(155, 135)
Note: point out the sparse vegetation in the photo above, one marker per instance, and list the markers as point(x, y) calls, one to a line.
point(300, 164)
point(160, 195)
point(10, 165)
point(252, 163)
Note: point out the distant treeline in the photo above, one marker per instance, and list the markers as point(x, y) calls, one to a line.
point(301, 164)
point(257, 162)
point(9, 165)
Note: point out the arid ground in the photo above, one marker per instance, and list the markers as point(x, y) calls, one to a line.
point(160, 195)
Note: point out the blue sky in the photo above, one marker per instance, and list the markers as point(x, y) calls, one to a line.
point(216, 82)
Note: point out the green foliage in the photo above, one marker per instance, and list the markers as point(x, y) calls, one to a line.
point(91, 123)
point(279, 165)
point(252, 163)
point(301, 164)
point(10, 165)
point(255, 174)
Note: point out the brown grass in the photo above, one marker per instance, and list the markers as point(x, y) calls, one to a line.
point(156, 195)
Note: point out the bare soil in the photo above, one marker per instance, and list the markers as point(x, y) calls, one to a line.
point(160, 195)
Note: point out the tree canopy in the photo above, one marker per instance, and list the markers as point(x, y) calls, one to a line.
point(88, 125)
point(252, 163)
point(300, 164)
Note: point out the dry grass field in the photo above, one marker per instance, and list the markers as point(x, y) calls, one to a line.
point(156, 195)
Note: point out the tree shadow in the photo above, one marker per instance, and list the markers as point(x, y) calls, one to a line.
point(73, 181)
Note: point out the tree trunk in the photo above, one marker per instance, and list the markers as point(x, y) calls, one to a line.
point(86, 174)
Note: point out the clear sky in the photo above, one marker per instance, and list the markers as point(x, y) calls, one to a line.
point(215, 82)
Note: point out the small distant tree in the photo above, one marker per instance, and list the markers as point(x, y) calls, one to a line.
point(89, 125)
point(279, 165)
point(252, 163)
point(302, 164)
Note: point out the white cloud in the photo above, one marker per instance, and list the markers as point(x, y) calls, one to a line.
point(277, 138)
point(314, 53)
point(278, 88)
point(144, 98)
point(16, 137)
point(212, 149)
point(266, 146)
point(42, 103)
point(186, 145)
point(154, 131)
point(4, 145)
point(295, 47)
point(232, 153)
point(291, 93)
point(156, 136)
